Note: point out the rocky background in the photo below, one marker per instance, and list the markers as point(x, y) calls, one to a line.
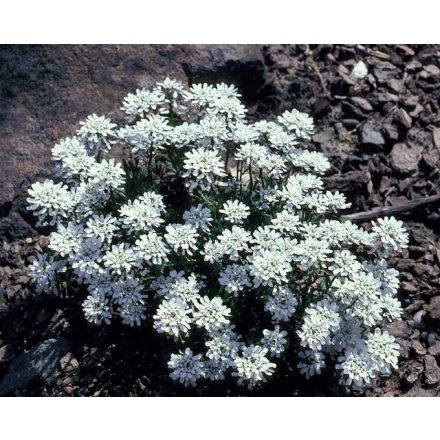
point(382, 134)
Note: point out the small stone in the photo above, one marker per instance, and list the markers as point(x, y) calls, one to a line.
point(432, 371)
point(40, 361)
point(434, 350)
point(350, 123)
point(431, 339)
point(395, 85)
point(371, 136)
point(412, 372)
point(68, 389)
point(418, 319)
point(362, 103)
point(430, 71)
point(69, 363)
point(404, 118)
point(23, 279)
point(405, 158)
point(418, 348)
point(6, 354)
point(408, 287)
point(434, 309)
point(399, 329)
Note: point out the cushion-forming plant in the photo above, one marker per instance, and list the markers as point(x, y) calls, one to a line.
point(221, 231)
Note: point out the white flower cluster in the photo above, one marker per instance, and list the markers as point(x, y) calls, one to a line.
point(214, 222)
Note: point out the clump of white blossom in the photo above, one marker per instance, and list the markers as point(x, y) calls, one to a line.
point(213, 223)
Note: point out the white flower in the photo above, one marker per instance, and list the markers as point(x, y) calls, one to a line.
point(139, 104)
point(233, 241)
point(106, 175)
point(95, 129)
point(204, 167)
point(68, 147)
point(356, 369)
point(67, 239)
point(383, 349)
point(187, 368)
point(214, 371)
point(223, 348)
point(142, 213)
point(313, 252)
point(234, 278)
point(182, 238)
point(43, 271)
point(281, 303)
point(320, 321)
point(199, 217)
point(176, 285)
point(390, 233)
point(298, 123)
point(286, 221)
point(211, 313)
point(147, 135)
point(269, 268)
point(102, 227)
point(313, 363)
point(253, 366)
point(49, 199)
point(128, 294)
point(120, 259)
point(151, 248)
point(344, 264)
point(213, 131)
point(311, 161)
point(274, 340)
point(97, 308)
point(235, 211)
point(172, 317)
point(251, 154)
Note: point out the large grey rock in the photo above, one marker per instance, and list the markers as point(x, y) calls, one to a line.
point(40, 361)
point(45, 90)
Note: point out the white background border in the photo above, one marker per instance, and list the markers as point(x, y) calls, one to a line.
point(202, 22)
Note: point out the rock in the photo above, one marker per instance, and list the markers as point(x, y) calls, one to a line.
point(362, 103)
point(412, 372)
point(430, 72)
point(6, 354)
point(432, 371)
point(69, 363)
point(418, 348)
point(350, 123)
point(395, 85)
point(431, 158)
point(405, 158)
point(418, 319)
point(407, 287)
point(434, 350)
point(40, 361)
point(48, 89)
point(403, 118)
point(359, 71)
point(371, 136)
point(399, 329)
point(434, 309)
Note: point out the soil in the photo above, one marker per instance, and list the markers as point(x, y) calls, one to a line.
point(381, 133)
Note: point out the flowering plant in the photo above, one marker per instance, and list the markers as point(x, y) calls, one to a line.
point(219, 230)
